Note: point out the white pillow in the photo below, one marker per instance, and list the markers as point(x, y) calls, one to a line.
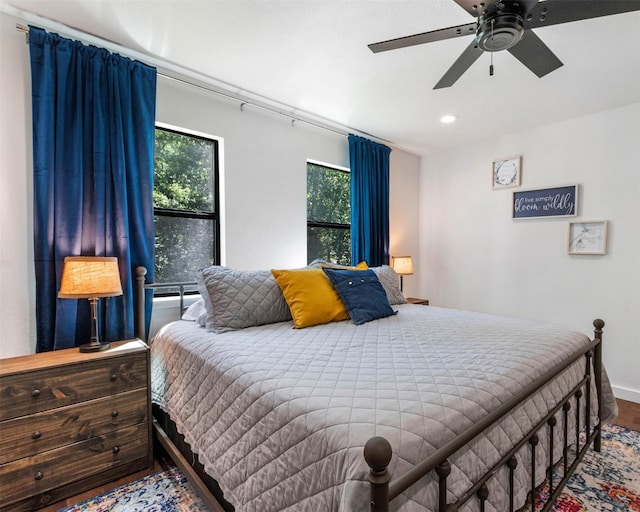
point(196, 313)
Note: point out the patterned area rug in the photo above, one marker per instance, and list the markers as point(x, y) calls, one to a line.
point(608, 481)
point(165, 491)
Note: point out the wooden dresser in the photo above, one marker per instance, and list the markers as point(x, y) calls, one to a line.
point(72, 421)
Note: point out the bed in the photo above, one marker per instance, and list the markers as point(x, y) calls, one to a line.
point(420, 409)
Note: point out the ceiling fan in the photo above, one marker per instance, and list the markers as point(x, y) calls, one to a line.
point(507, 25)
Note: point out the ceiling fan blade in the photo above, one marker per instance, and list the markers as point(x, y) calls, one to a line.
point(471, 6)
point(425, 37)
point(534, 54)
point(554, 12)
point(527, 5)
point(468, 57)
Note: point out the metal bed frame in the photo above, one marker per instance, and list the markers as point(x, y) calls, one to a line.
point(378, 452)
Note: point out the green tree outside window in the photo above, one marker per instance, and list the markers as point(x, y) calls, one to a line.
point(185, 205)
point(328, 214)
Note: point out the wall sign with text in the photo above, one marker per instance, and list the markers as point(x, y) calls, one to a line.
point(545, 202)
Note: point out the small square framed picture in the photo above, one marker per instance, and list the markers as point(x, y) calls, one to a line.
point(506, 172)
point(587, 237)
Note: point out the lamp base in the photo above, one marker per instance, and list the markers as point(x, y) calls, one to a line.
point(94, 346)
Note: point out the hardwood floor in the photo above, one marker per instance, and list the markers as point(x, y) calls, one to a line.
point(628, 416)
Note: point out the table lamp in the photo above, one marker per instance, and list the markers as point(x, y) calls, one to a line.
point(403, 266)
point(90, 277)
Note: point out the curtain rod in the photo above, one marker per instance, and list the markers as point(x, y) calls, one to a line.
point(245, 102)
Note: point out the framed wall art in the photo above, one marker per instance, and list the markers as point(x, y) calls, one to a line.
point(545, 202)
point(587, 237)
point(506, 172)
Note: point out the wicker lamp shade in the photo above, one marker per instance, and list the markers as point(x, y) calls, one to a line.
point(84, 277)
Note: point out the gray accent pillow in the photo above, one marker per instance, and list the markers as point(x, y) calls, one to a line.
point(235, 299)
point(391, 283)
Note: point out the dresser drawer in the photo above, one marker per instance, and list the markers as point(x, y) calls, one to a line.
point(37, 474)
point(29, 435)
point(44, 389)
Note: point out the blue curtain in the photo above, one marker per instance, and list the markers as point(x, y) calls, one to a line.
point(369, 201)
point(93, 138)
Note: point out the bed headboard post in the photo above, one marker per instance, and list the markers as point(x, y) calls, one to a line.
point(597, 371)
point(377, 453)
point(140, 304)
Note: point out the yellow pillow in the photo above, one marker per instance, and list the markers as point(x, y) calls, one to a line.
point(310, 297)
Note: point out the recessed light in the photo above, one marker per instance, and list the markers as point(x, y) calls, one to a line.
point(449, 118)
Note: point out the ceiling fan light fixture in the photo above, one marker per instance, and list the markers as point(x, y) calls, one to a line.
point(499, 30)
point(448, 119)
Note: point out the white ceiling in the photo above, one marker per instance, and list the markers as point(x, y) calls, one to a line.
point(312, 56)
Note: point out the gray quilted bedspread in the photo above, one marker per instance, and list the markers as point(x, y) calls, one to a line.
point(279, 416)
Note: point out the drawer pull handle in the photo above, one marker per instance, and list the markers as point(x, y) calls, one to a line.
point(35, 393)
point(113, 377)
point(114, 414)
point(36, 435)
point(116, 450)
point(39, 475)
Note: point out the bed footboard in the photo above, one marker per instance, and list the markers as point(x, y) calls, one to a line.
point(378, 452)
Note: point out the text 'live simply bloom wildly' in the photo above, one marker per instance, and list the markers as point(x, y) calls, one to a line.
point(557, 202)
point(545, 202)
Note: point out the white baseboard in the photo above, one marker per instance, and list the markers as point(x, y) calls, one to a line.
point(631, 395)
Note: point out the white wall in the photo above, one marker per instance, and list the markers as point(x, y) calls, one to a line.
point(474, 256)
point(264, 175)
point(404, 195)
point(17, 277)
point(264, 172)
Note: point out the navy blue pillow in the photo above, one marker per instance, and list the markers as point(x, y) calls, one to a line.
point(362, 294)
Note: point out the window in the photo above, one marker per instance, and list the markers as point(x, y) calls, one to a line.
point(328, 213)
point(185, 199)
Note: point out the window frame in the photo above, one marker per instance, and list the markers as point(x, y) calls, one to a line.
point(322, 224)
point(214, 215)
